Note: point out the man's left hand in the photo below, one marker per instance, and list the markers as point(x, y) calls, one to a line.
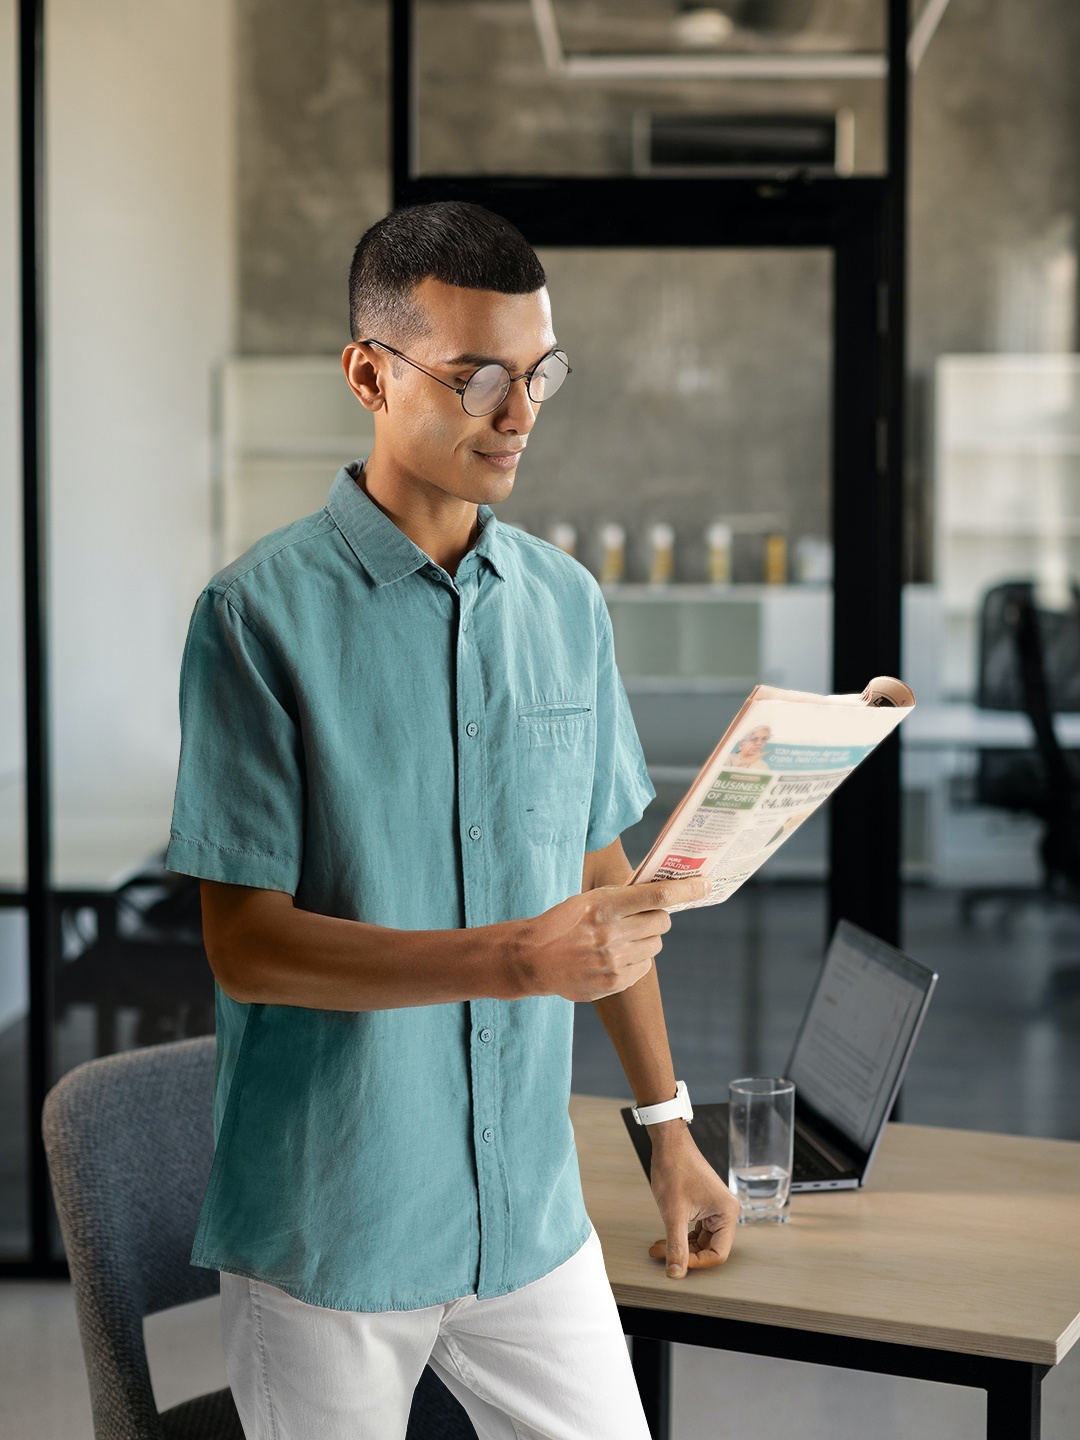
point(699, 1211)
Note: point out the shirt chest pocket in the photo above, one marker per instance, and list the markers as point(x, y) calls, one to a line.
point(555, 766)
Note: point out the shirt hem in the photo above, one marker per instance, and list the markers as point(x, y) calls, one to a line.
point(206, 1260)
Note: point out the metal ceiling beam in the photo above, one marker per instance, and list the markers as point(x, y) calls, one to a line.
point(789, 65)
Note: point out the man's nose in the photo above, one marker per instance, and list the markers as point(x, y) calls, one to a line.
point(517, 414)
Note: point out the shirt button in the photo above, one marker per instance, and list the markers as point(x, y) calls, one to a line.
point(475, 832)
point(486, 1034)
point(472, 728)
point(487, 1135)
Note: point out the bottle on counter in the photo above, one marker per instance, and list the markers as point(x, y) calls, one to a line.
point(813, 557)
point(612, 554)
point(564, 536)
point(661, 538)
point(776, 559)
point(718, 539)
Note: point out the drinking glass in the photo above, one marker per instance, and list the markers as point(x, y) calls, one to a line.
point(761, 1141)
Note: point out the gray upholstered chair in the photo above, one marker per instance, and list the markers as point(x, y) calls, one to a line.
point(130, 1145)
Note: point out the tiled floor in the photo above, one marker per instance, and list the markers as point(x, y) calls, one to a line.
point(717, 1396)
point(1000, 1051)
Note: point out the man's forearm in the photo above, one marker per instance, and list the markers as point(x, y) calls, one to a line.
point(634, 1018)
point(634, 1021)
point(265, 950)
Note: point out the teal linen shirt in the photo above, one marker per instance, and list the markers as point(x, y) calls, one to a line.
point(391, 744)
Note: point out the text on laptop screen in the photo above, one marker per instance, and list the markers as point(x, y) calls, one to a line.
point(855, 1035)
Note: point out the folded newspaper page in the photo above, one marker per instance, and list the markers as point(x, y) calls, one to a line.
point(783, 754)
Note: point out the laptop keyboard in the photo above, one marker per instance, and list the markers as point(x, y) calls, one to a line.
point(810, 1164)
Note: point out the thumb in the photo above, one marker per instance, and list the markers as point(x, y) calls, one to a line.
point(678, 1248)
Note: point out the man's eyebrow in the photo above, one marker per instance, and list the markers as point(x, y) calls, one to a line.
point(471, 359)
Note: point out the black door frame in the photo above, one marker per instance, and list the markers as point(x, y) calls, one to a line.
point(862, 220)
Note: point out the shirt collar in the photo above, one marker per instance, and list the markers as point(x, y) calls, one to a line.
point(386, 552)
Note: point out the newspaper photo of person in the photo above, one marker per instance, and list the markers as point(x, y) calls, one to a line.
point(749, 752)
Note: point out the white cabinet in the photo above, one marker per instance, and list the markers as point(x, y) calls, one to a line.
point(288, 425)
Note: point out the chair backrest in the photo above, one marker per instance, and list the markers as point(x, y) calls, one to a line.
point(130, 1145)
point(1001, 681)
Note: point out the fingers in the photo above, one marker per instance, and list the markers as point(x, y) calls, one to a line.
point(715, 1237)
point(705, 1259)
point(703, 1248)
point(658, 894)
point(678, 1251)
point(649, 925)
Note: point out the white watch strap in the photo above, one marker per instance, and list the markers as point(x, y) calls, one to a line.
point(677, 1109)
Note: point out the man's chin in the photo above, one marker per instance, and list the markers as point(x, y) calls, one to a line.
point(492, 486)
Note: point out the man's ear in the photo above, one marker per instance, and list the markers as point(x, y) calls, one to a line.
point(363, 374)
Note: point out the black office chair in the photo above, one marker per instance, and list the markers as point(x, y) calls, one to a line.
point(1024, 781)
point(129, 1140)
point(138, 948)
point(1030, 661)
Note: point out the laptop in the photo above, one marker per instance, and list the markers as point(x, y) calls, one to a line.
point(848, 1063)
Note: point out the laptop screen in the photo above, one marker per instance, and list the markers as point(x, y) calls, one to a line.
point(850, 1052)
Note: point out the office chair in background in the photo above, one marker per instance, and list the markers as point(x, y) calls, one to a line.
point(1029, 660)
point(137, 948)
point(129, 1140)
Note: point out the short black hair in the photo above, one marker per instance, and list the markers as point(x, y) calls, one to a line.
point(450, 240)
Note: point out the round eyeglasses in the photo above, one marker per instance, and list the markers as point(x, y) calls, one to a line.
point(487, 388)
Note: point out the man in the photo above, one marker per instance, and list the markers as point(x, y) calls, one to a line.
point(406, 762)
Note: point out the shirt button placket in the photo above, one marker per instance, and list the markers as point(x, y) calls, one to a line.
point(493, 1200)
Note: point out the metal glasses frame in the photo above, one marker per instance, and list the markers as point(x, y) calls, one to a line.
point(459, 390)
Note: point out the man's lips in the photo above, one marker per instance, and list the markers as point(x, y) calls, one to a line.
point(502, 459)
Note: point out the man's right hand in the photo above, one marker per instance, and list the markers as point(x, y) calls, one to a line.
point(599, 942)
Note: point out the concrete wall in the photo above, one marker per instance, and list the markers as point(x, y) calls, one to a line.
point(994, 194)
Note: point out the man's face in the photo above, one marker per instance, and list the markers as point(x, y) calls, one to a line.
point(421, 429)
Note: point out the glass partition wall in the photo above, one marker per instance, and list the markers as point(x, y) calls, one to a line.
point(995, 528)
point(742, 382)
point(136, 193)
point(695, 464)
point(686, 463)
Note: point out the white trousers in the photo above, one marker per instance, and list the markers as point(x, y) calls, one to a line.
point(546, 1362)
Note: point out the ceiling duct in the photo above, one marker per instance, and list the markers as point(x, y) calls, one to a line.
point(691, 144)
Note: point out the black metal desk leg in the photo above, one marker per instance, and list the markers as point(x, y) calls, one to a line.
point(652, 1370)
point(1014, 1403)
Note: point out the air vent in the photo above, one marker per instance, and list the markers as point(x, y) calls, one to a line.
point(721, 144)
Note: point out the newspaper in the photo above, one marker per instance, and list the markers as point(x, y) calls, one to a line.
point(783, 754)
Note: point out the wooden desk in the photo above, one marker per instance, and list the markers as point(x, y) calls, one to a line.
point(959, 1262)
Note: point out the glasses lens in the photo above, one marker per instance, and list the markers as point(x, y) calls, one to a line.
point(486, 390)
point(548, 376)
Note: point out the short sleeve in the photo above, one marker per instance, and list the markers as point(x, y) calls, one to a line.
point(621, 785)
point(238, 811)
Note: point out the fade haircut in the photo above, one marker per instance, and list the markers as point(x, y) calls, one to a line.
point(448, 240)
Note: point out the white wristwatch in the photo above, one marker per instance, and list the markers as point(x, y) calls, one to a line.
point(677, 1109)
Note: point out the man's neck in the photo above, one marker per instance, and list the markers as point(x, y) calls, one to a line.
point(441, 525)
